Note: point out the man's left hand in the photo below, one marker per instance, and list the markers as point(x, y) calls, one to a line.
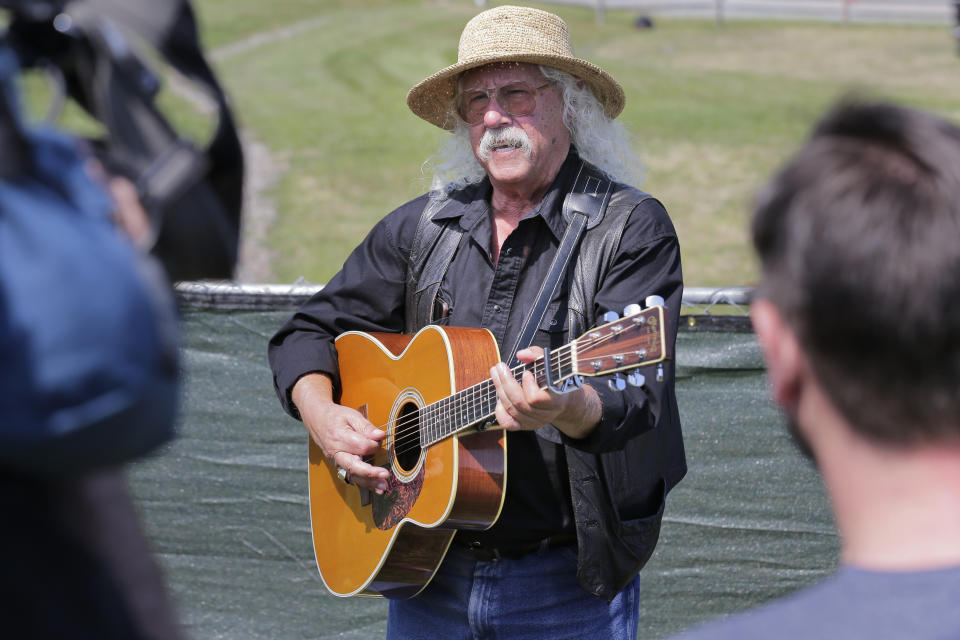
point(524, 406)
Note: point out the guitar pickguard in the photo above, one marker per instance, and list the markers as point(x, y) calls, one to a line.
point(395, 503)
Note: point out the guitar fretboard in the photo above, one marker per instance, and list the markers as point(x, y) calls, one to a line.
point(475, 405)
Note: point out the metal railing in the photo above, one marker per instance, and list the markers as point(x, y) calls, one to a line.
point(934, 12)
point(703, 308)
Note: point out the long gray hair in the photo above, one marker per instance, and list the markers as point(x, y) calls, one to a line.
point(599, 140)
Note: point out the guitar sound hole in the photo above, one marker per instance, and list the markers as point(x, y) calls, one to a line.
point(407, 437)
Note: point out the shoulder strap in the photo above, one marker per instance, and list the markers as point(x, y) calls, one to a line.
point(430, 255)
point(583, 208)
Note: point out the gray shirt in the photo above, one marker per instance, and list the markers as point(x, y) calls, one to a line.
point(854, 604)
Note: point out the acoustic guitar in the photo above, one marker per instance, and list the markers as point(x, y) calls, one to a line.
point(432, 394)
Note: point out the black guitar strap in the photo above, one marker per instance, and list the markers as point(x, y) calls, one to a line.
point(583, 208)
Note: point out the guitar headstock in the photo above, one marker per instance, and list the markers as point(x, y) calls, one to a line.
point(635, 340)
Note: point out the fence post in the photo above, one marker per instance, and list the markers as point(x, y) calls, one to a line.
point(601, 11)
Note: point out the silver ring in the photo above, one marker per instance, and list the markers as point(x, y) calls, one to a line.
point(342, 474)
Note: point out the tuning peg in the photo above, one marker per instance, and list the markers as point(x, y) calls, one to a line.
point(659, 373)
point(610, 316)
point(617, 383)
point(653, 301)
point(631, 309)
point(636, 379)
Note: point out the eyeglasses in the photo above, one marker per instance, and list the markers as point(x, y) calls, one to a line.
point(516, 98)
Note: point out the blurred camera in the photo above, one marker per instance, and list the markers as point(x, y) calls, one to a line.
point(192, 193)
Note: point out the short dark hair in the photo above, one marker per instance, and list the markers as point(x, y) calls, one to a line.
point(859, 242)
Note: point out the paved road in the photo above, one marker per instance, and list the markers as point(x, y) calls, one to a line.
point(890, 11)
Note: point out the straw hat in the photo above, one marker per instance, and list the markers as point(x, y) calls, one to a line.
point(511, 34)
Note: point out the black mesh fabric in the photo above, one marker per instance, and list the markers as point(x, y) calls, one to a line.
point(226, 502)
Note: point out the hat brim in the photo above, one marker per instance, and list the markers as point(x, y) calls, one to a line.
point(432, 98)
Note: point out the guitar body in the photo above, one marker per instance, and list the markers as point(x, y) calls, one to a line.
point(429, 392)
point(391, 545)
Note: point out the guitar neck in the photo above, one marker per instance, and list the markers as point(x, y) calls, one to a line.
point(621, 344)
point(475, 405)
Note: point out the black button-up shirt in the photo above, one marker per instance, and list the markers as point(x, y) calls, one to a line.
point(368, 294)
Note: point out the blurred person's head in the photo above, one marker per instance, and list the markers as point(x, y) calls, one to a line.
point(859, 242)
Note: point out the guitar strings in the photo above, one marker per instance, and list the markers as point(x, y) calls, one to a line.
point(411, 428)
point(408, 430)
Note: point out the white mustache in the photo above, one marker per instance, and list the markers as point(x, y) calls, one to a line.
point(506, 137)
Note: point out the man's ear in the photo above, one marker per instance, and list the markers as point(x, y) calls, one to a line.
point(781, 350)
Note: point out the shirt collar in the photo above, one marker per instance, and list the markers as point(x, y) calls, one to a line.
point(470, 204)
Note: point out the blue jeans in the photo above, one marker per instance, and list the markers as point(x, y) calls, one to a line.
point(531, 597)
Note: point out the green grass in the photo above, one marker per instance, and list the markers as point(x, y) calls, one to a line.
point(715, 109)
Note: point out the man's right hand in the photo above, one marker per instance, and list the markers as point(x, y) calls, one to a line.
point(343, 434)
